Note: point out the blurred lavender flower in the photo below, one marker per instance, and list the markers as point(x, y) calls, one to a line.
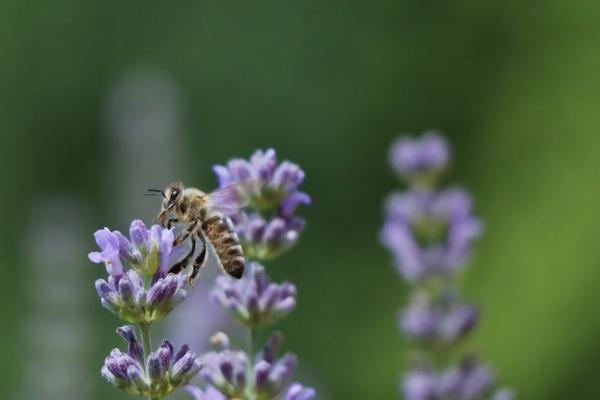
point(420, 160)
point(149, 253)
point(419, 384)
point(442, 321)
point(299, 392)
point(162, 373)
point(269, 186)
point(226, 371)
point(209, 394)
point(255, 300)
point(429, 233)
point(468, 381)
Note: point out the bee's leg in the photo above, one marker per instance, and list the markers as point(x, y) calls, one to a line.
point(188, 232)
point(160, 219)
point(200, 260)
point(171, 221)
point(177, 268)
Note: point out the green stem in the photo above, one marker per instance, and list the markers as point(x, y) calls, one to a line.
point(250, 350)
point(146, 339)
point(147, 344)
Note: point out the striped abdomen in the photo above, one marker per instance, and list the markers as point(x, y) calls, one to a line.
point(219, 231)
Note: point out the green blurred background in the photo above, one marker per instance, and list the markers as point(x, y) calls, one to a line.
point(514, 85)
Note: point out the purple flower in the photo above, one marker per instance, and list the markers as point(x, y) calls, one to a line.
point(164, 371)
point(468, 381)
point(298, 392)
point(429, 233)
point(270, 187)
point(420, 384)
point(226, 371)
point(209, 394)
point(109, 252)
point(274, 181)
point(265, 239)
point(443, 321)
point(272, 374)
point(255, 300)
point(142, 292)
point(132, 302)
point(419, 320)
point(420, 160)
point(148, 251)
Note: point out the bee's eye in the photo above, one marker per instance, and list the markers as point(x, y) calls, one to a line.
point(174, 195)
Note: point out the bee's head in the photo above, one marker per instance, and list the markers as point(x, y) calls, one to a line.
point(173, 196)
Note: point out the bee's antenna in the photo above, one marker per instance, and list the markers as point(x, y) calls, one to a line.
point(154, 192)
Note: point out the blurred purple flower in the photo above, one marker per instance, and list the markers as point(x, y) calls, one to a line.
point(254, 300)
point(419, 384)
point(148, 255)
point(162, 373)
point(440, 322)
point(298, 392)
point(420, 160)
point(210, 393)
point(468, 381)
point(429, 233)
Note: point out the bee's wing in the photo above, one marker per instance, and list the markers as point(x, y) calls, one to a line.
point(229, 199)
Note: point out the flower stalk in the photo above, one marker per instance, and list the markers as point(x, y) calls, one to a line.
point(267, 230)
point(429, 232)
point(140, 290)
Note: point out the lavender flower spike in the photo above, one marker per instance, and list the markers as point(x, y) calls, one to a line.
point(420, 160)
point(148, 251)
point(272, 374)
point(430, 233)
point(254, 300)
point(225, 370)
point(131, 263)
point(468, 381)
point(270, 187)
point(274, 182)
point(265, 239)
point(442, 321)
point(133, 303)
point(163, 372)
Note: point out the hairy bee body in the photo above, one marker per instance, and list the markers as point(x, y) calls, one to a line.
point(219, 231)
point(192, 207)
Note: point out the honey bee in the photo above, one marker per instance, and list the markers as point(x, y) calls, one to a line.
point(206, 217)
